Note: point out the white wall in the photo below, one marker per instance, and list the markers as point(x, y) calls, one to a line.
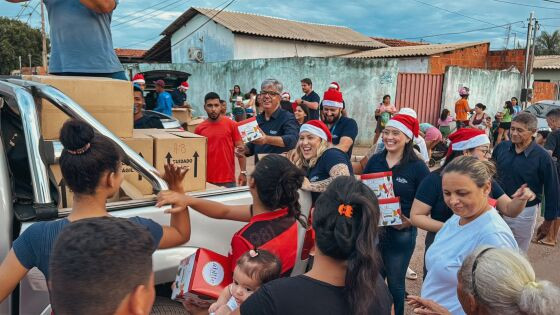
point(215, 41)
point(552, 75)
point(414, 65)
point(252, 47)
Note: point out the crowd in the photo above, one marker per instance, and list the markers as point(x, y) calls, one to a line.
point(480, 214)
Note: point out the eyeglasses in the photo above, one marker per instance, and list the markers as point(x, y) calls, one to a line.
point(269, 93)
point(484, 151)
point(475, 263)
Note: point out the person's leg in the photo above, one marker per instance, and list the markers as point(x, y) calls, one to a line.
point(506, 134)
point(523, 226)
point(396, 250)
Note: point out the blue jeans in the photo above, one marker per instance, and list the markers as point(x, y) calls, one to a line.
point(115, 75)
point(396, 249)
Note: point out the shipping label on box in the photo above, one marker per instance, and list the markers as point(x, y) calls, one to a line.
point(390, 209)
point(380, 183)
point(144, 146)
point(249, 130)
point(108, 100)
point(184, 149)
point(202, 277)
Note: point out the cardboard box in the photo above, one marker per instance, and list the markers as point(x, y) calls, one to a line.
point(380, 183)
point(183, 114)
point(249, 130)
point(191, 125)
point(144, 146)
point(202, 277)
point(184, 149)
point(107, 100)
point(390, 209)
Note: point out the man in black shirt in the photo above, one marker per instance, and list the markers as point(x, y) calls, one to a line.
point(142, 121)
point(552, 145)
point(310, 98)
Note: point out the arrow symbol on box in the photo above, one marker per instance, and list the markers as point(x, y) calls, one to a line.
point(168, 157)
point(62, 185)
point(195, 156)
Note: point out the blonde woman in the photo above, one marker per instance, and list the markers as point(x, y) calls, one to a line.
point(497, 281)
point(316, 155)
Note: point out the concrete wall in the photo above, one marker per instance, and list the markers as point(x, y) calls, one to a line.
point(216, 41)
point(252, 47)
point(489, 87)
point(363, 82)
point(414, 65)
point(503, 59)
point(543, 75)
point(471, 57)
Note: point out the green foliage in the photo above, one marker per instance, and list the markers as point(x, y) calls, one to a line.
point(548, 44)
point(18, 39)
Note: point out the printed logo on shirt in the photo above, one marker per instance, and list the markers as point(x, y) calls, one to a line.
point(314, 178)
point(401, 180)
point(335, 136)
point(273, 132)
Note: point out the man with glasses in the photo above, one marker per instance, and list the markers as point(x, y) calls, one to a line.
point(279, 127)
point(521, 161)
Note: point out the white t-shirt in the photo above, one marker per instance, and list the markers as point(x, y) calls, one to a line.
point(453, 243)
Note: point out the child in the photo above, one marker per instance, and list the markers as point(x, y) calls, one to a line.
point(443, 122)
point(254, 268)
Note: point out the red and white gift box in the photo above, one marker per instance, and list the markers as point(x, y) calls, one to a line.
point(390, 209)
point(249, 130)
point(202, 277)
point(380, 183)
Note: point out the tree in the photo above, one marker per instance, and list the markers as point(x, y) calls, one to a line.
point(548, 44)
point(18, 39)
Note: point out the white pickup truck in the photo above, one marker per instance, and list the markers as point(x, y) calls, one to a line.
point(18, 99)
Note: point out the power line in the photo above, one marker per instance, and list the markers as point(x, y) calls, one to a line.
point(551, 1)
point(121, 17)
point(142, 17)
point(32, 11)
point(528, 5)
point(463, 32)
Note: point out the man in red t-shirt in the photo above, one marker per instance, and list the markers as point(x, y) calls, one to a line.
point(223, 137)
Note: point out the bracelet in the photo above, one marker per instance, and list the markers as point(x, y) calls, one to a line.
point(243, 173)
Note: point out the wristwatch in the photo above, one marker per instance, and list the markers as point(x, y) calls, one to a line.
point(244, 173)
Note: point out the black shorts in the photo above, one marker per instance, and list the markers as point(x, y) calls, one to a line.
point(505, 125)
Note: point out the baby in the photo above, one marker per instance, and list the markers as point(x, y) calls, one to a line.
point(254, 268)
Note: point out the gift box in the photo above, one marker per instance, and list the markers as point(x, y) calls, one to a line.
point(380, 183)
point(202, 277)
point(249, 130)
point(390, 211)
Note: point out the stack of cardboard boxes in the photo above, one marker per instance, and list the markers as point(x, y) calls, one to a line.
point(110, 102)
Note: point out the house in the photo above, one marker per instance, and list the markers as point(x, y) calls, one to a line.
point(130, 55)
point(393, 42)
point(432, 58)
point(547, 68)
point(207, 35)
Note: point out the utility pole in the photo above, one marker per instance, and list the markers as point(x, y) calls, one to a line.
point(29, 55)
point(19, 64)
point(508, 35)
point(532, 60)
point(44, 36)
point(527, 51)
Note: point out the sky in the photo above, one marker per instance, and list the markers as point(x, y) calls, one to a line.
point(138, 23)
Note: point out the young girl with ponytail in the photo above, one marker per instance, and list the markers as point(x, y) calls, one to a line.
point(345, 275)
point(272, 217)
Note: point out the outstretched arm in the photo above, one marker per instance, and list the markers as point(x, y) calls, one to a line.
point(11, 273)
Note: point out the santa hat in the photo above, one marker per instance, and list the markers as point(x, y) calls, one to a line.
point(138, 78)
point(406, 124)
point(467, 138)
point(334, 85)
point(317, 128)
point(184, 85)
point(286, 94)
point(333, 98)
point(409, 112)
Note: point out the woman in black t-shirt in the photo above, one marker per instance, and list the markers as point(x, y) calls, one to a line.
point(345, 275)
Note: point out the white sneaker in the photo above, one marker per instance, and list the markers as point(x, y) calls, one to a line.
point(410, 274)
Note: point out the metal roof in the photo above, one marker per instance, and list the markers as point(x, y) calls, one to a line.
point(134, 53)
point(393, 42)
point(266, 26)
point(412, 51)
point(550, 62)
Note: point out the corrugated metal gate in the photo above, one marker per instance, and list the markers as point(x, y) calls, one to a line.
point(421, 92)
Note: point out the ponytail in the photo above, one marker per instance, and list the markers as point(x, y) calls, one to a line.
point(346, 225)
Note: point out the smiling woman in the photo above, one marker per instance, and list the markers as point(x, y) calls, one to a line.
point(466, 185)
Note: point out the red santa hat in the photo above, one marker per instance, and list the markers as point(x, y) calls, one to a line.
point(317, 128)
point(467, 138)
point(184, 85)
point(334, 85)
point(333, 98)
point(406, 124)
point(138, 78)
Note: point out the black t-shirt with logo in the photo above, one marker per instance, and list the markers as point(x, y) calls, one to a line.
point(313, 98)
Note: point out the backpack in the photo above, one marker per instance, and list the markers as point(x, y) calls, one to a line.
point(384, 119)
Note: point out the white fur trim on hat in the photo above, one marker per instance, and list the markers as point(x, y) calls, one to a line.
point(139, 81)
point(333, 86)
point(471, 143)
point(400, 126)
point(332, 104)
point(313, 130)
point(409, 112)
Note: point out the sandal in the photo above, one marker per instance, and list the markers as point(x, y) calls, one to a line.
point(545, 243)
point(410, 274)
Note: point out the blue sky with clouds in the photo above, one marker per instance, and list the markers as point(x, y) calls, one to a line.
point(136, 23)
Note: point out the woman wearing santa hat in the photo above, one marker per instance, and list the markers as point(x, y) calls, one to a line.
point(139, 79)
point(316, 155)
point(429, 210)
point(396, 243)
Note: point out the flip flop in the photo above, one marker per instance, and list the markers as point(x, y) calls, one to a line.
point(411, 275)
point(541, 242)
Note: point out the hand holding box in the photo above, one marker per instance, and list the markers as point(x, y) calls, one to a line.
point(249, 130)
point(390, 209)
